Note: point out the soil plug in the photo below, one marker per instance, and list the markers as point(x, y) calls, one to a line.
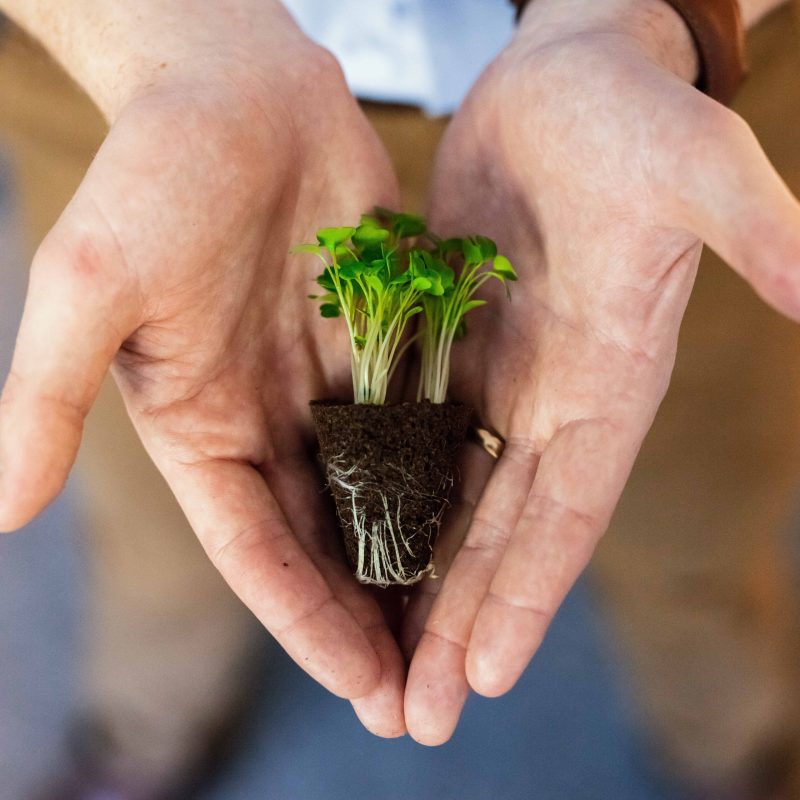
point(390, 466)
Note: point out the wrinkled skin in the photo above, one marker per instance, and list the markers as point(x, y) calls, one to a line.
point(171, 263)
point(599, 173)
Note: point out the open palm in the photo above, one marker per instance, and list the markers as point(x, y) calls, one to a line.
point(171, 264)
point(599, 172)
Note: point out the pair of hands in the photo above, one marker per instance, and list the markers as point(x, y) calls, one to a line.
point(597, 167)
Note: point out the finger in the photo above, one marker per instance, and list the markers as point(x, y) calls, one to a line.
point(579, 479)
point(381, 709)
point(77, 313)
point(472, 472)
point(733, 198)
point(249, 540)
point(437, 683)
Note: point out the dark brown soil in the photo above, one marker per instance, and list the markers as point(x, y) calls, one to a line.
point(390, 469)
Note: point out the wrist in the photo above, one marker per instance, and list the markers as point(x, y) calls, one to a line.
point(653, 24)
point(118, 51)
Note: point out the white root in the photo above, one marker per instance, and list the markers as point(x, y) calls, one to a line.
point(379, 559)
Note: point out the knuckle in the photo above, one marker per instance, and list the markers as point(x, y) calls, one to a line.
point(86, 271)
point(76, 261)
point(323, 65)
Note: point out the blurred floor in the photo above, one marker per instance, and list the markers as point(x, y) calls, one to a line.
point(563, 733)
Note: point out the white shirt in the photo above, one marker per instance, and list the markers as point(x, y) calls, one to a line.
point(421, 52)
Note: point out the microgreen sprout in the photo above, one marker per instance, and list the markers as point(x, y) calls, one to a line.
point(375, 280)
point(455, 269)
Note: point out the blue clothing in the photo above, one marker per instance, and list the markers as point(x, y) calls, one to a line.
point(563, 733)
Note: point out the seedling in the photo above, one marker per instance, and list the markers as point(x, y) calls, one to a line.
point(390, 467)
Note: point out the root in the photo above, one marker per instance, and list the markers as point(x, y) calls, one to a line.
point(382, 541)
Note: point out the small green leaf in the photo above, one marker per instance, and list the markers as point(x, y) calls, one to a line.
point(328, 297)
point(384, 214)
point(352, 270)
point(470, 304)
point(329, 310)
point(371, 221)
point(308, 248)
point(502, 266)
point(451, 246)
point(414, 310)
point(445, 276)
point(401, 279)
point(326, 280)
point(359, 341)
point(374, 282)
point(343, 252)
point(436, 290)
point(405, 225)
point(487, 247)
point(370, 234)
point(472, 252)
point(421, 284)
point(331, 237)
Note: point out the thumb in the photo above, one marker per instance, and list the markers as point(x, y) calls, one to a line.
point(734, 200)
point(76, 316)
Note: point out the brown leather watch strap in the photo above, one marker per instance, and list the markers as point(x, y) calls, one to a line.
point(716, 26)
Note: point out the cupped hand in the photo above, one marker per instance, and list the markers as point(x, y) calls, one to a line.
point(170, 265)
point(599, 169)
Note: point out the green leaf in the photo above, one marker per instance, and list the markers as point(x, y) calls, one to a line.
point(329, 310)
point(369, 234)
point(421, 284)
point(405, 225)
point(455, 245)
point(360, 341)
point(444, 275)
point(352, 270)
point(331, 237)
point(448, 277)
point(436, 290)
point(401, 279)
point(502, 267)
point(326, 280)
point(370, 221)
point(487, 247)
point(374, 282)
point(413, 310)
point(328, 297)
point(384, 214)
point(472, 252)
point(308, 248)
point(343, 251)
point(470, 304)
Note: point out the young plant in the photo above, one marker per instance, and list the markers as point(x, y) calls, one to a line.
point(448, 296)
point(390, 467)
point(366, 281)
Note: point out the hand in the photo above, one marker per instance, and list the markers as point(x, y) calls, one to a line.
point(170, 264)
point(587, 154)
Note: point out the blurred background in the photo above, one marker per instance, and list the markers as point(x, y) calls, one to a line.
point(128, 671)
